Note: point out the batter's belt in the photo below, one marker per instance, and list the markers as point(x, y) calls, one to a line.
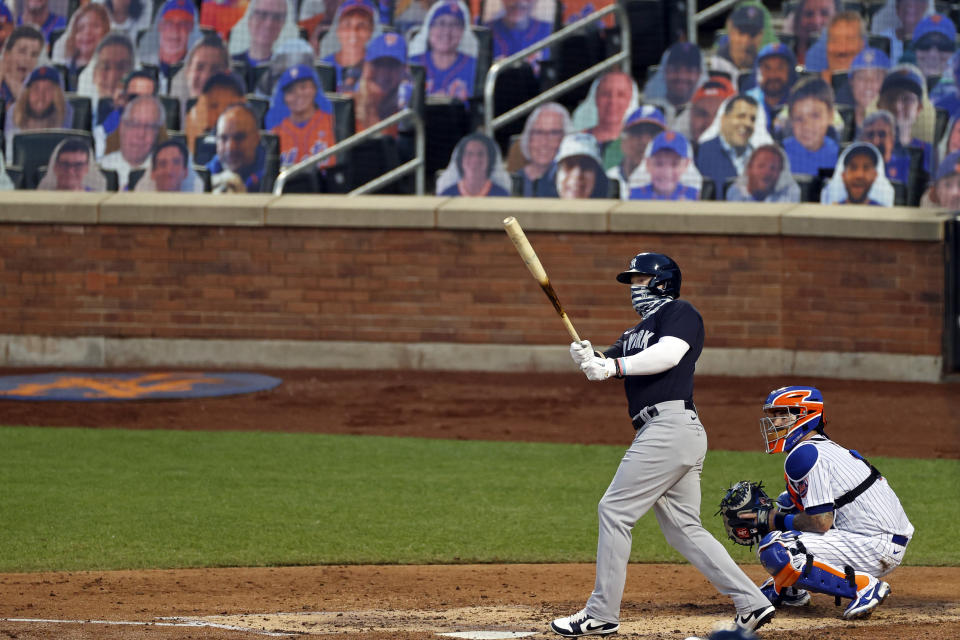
point(649, 413)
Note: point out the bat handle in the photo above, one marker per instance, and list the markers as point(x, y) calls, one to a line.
point(569, 326)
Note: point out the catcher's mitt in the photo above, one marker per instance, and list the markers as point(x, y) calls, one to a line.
point(745, 509)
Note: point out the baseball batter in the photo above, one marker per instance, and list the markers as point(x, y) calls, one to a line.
point(661, 469)
point(839, 527)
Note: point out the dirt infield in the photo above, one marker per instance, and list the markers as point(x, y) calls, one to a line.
point(668, 602)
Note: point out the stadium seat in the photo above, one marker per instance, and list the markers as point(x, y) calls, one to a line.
point(516, 184)
point(847, 113)
point(418, 92)
point(113, 180)
point(573, 55)
point(328, 76)
point(613, 188)
point(344, 118)
point(69, 77)
point(940, 126)
point(709, 190)
point(55, 35)
point(82, 111)
point(727, 184)
point(899, 193)
point(840, 82)
point(335, 179)
point(104, 107)
point(204, 175)
point(134, 178)
point(918, 177)
point(258, 72)
point(484, 55)
point(242, 69)
point(171, 106)
point(449, 121)
point(514, 86)
point(259, 106)
point(879, 42)
point(16, 175)
point(271, 143)
point(809, 187)
point(32, 150)
point(371, 159)
point(649, 32)
point(204, 148)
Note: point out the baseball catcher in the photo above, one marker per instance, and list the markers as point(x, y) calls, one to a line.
point(837, 529)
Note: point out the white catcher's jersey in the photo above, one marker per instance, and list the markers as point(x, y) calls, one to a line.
point(820, 471)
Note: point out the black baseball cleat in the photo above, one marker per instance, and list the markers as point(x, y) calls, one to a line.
point(580, 624)
point(756, 618)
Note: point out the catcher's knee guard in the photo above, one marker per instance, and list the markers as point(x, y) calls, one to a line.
point(784, 557)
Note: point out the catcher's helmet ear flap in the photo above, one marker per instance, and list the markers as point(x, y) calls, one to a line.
point(789, 414)
point(666, 273)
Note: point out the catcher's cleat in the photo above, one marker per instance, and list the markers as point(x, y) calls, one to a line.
point(788, 597)
point(868, 599)
point(755, 619)
point(581, 624)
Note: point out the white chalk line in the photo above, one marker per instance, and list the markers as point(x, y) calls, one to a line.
point(174, 622)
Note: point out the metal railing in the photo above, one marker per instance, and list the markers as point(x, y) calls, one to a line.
point(416, 165)
point(695, 18)
point(491, 124)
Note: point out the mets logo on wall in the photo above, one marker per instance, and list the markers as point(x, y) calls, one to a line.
point(89, 387)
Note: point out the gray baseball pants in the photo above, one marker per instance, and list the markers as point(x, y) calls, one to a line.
point(661, 469)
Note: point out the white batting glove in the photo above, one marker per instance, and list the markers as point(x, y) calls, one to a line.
point(581, 351)
point(599, 368)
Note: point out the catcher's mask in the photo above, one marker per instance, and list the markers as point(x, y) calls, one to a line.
point(789, 414)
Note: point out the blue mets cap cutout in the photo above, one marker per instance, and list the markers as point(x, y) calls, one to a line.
point(387, 45)
point(670, 141)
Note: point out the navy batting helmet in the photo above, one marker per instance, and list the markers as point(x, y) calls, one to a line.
point(665, 272)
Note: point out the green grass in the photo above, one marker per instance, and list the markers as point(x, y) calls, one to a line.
point(73, 499)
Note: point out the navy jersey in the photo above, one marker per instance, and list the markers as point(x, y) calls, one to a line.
point(679, 319)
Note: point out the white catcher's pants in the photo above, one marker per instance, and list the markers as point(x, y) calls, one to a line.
point(661, 469)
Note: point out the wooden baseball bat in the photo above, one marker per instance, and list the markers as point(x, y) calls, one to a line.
point(519, 239)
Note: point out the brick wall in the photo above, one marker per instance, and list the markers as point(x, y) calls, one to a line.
point(441, 285)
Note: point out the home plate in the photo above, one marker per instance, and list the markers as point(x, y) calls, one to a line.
point(488, 635)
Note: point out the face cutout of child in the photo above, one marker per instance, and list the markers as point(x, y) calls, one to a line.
point(665, 168)
point(809, 120)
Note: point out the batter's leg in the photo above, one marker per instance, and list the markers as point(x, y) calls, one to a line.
point(678, 513)
point(657, 458)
